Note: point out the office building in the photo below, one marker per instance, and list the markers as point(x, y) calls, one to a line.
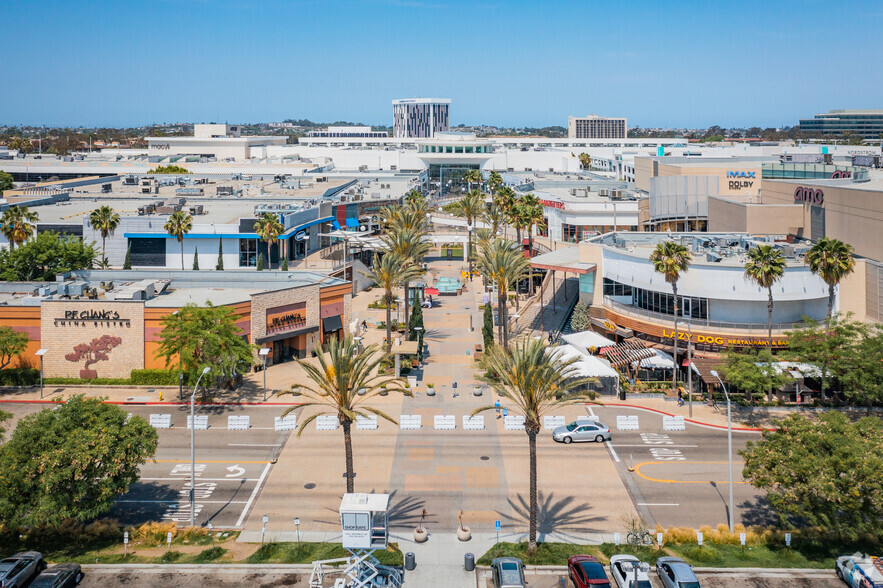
point(420, 117)
point(349, 133)
point(867, 123)
point(596, 127)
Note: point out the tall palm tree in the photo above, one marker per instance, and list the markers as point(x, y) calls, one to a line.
point(534, 380)
point(471, 207)
point(494, 181)
point(410, 245)
point(268, 229)
point(671, 260)
point(178, 225)
point(17, 225)
point(832, 260)
point(506, 199)
point(534, 217)
point(502, 262)
point(585, 160)
point(390, 271)
point(336, 382)
point(104, 220)
point(765, 267)
point(414, 196)
point(494, 217)
point(473, 176)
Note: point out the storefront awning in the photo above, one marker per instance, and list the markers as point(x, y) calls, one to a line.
point(335, 225)
point(331, 324)
point(285, 335)
point(352, 223)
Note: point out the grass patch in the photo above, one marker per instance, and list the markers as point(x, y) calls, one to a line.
point(308, 552)
point(210, 554)
point(170, 557)
point(548, 554)
point(642, 552)
point(755, 556)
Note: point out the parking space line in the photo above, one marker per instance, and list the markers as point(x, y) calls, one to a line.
point(638, 471)
point(254, 493)
point(257, 444)
point(658, 504)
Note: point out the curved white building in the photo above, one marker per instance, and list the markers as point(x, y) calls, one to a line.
point(449, 155)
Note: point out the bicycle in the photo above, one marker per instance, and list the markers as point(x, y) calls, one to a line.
point(641, 538)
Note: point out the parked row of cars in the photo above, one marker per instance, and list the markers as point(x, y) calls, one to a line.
point(585, 571)
point(28, 569)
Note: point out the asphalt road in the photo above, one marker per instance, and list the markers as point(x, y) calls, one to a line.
point(681, 478)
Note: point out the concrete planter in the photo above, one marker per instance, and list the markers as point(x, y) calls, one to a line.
point(412, 381)
point(430, 391)
point(421, 535)
point(477, 391)
point(464, 534)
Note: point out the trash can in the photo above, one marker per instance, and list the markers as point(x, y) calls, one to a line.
point(469, 562)
point(411, 561)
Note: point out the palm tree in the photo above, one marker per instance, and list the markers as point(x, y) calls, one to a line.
point(585, 160)
point(494, 217)
point(534, 217)
point(502, 261)
point(105, 220)
point(832, 260)
point(178, 225)
point(410, 245)
point(470, 208)
point(671, 260)
point(494, 181)
point(765, 267)
point(535, 380)
point(414, 196)
point(389, 272)
point(17, 225)
point(473, 176)
point(506, 199)
point(336, 384)
point(268, 229)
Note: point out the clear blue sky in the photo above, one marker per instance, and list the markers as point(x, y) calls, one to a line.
point(660, 63)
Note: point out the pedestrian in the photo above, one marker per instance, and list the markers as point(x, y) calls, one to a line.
point(551, 338)
point(680, 398)
point(364, 327)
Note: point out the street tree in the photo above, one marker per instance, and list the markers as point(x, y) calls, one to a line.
point(71, 462)
point(473, 176)
point(503, 263)
point(487, 326)
point(178, 225)
point(752, 372)
point(823, 472)
point(765, 267)
point(104, 220)
point(220, 265)
point(127, 263)
point(12, 344)
point(268, 229)
point(470, 208)
point(45, 256)
point(390, 271)
point(534, 380)
point(18, 224)
point(822, 345)
point(581, 319)
point(671, 260)
point(334, 389)
point(860, 368)
point(494, 181)
point(416, 329)
point(205, 336)
point(832, 260)
point(6, 182)
point(411, 246)
point(168, 169)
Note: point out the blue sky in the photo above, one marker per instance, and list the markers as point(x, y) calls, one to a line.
point(659, 63)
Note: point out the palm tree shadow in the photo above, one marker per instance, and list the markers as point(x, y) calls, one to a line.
point(564, 516)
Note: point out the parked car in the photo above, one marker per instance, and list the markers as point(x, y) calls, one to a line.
point(860, 571)
point(508, 572)
point(65, 575)
point(581, 430)
point(676, 573)
point(18, 570)
point(585, 571)
point(623, 567)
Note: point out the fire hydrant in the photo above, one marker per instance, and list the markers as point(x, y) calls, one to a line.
point(160, 395)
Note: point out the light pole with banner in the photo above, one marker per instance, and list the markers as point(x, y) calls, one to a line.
point(729, 444)
point(689, 325)
point(40, 354)
point(193, 450)
point(264, 352)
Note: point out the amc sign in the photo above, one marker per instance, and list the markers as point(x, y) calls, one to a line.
point(811, 195)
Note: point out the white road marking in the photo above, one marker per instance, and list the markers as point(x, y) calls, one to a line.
point(644, 445)
point(591, 411)
point(187, 503)
point(612, 452)
point(254, 493)
point(202, 479)
point(657, 504)
point(253, 444)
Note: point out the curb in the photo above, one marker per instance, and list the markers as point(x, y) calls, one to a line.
point(695, 422)
point(142, 403)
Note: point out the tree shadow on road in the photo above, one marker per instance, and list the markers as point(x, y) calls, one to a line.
point(153, 500)
point(561, 516)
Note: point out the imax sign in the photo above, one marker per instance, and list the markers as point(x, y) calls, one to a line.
point(811, 195)
point(740, 174)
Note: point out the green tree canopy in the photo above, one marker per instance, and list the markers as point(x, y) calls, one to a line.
point(487, 326)
point(822, 473)
point(752, 371)
point(168, 169)
point(205, 336)
point(71, 462)
point(12, 344)
point(580, 320)
point(17, 224)
point(105, 220)
point(41, 258)
point(860, 368)
point(6, 181)
point(832, 260)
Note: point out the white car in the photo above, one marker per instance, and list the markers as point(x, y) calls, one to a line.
point(582, 431)
point(623, 568)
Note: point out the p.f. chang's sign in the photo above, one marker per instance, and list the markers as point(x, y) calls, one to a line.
point(811, 195)
point(82, 318)
point(286, 318)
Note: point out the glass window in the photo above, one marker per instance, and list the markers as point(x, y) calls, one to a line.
point(448, 149)
point(248, 252)
point(469, 150)
point(458, 150)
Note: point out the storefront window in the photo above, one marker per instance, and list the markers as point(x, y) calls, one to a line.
point(688, 306)
point(248, 252)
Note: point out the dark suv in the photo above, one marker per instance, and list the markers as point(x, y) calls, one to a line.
point(18, 571)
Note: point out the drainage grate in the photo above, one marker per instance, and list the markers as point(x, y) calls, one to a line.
point(309, 486)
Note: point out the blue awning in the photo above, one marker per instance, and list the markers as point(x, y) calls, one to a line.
point(352, 223)
point(335, 225)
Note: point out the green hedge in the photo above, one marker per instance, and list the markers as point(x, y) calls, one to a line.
point(156, 378)
point(19, 377)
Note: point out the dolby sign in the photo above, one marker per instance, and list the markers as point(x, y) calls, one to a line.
point(811, 195)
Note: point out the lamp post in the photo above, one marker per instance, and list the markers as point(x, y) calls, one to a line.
point(264, 352)
point(265, 518)
point(729, 444)
point(689, 326)
point(419, 345)
point(40, 354)
point(193, 450)
point(297, 528)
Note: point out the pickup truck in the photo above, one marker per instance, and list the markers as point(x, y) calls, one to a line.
point(860, 571)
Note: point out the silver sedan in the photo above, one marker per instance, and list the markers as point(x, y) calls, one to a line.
point(582, 431)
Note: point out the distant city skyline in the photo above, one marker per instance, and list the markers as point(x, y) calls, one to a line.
point(515, 64)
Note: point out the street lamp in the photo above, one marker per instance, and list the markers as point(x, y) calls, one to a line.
point(297, 528)
point(419, 346)
point(265, 519)
point(689, 326)
point(40, 354)
point(264, 352)
point(729, 444)
point(193, 450)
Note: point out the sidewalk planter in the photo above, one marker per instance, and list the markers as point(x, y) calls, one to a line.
point(430, 391)
point(361, 391)
point(412, 381)
point(464, 534)
point(420, 535)
point(477, 391)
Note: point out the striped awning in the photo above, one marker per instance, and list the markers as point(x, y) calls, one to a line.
point(627, 352)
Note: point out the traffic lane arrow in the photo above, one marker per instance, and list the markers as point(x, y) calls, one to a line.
point(235, 471)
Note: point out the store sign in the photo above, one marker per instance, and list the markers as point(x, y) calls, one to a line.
point(300, 236)
point(840, 174)
point(811, 195)
point(164, 146)
point(739, 184)
point(95, 318)
point(740, 174)
point(728, 340)
point(552, 204)
point(287, 318)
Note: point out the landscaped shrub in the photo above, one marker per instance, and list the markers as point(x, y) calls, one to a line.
point(156, 378)
point(19, 377)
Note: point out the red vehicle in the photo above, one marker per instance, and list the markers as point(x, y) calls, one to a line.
point(586, 571)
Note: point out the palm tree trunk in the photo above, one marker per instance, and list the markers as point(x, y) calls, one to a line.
point(770, 340)
point(518, 236)
point(830, 300)
point(504, 330)
point(348, 451)
point(104, 254)
point(388, 300)
point(469, 252)
point(532, 533)
point(182, 254)
point(407, 311)
point(674, 372)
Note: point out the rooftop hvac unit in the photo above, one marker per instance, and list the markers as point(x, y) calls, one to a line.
point(603, 192)
point(788, 251)
point(711, 256)
point(573, 191)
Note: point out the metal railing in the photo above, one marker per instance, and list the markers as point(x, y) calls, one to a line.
point(662, 317)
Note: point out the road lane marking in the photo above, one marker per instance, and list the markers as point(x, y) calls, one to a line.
point(205, 461)
point(638, 471)
point(645, 445)
point(185, 504)
point(253, 444)
point(203, 479)
point(612, 452)
point(658, 504)
point(591, 411)
point(254, 493)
